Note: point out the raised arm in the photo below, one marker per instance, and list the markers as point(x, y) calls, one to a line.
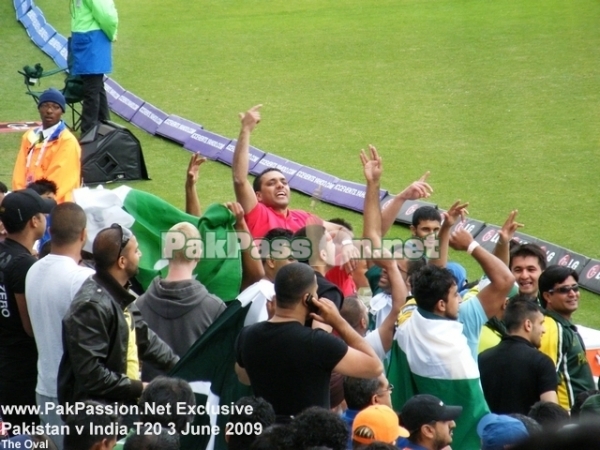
point(415, 191)
point(399, 293)
point(244, 193)
point(456, 211)
point(505, 235)
point(252, 268)
point(493, 296)
point(192, 202)
point(372, 169)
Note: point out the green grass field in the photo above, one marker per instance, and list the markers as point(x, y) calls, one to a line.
point(499, 100)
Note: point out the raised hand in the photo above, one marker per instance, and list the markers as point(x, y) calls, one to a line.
point(507, 232)
point(250, 118)
point(193, 167)
point(418, 189)
point(460, 239)
point(237, 211)
point(372, 166)
point(456, 211)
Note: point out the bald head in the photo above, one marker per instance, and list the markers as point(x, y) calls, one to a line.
point(355, 313)
point(187, 231)
point(67, 224)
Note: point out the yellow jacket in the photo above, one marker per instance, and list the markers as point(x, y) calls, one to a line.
point(59, 160)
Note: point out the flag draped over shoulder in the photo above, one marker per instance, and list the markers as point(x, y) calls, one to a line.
point(432, 357)
point(149, 216)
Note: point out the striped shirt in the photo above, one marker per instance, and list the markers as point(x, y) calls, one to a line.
point(563, 344)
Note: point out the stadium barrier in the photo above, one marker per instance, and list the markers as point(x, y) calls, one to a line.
point(328, 188)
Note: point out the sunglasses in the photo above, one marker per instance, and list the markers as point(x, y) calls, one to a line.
point(565, 289)
point(125, 237)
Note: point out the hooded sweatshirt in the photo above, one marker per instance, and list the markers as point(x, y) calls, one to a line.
point(179, 312)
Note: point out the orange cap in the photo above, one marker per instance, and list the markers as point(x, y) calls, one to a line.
point(377, 423)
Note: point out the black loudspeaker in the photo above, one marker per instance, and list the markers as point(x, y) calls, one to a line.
point(110, 152)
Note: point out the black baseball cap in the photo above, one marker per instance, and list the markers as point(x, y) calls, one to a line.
point(20, 206)
point(423, 409)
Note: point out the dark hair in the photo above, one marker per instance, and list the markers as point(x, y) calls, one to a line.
point(413, 268)
point(164, 440)
point(554, 275)
point(432, 284)
point(531, 425)
point(549, 415)
point(342, 222)
point(3, 188)
point(519, 309)
point(257, 184)
point(67, 222)
point(425, 213)
point(276, 437)
point(415, 436)
point(292, 282)
point(43, 186)
point(315, 234)
point(579, 400)
point(524, 250)
point(273, 235)
point(167, 391)
point(351, 310)
point(317, 426)
point(580, 437)
point(45, 249)
point(262, 412)
point(87, 423)
point(106, 248)
point(358, 392)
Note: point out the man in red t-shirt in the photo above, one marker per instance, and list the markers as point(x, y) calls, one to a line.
point(266, 202)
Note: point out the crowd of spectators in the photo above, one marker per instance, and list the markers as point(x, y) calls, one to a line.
point(429, 361)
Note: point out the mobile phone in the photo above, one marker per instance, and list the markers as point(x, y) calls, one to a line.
point(310, 303)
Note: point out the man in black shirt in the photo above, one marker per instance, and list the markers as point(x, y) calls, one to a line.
point(322, 259)
point(23, 215)
point(515, 374)
point(289, 364)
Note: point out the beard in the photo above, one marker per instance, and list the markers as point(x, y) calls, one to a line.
point(132, 269)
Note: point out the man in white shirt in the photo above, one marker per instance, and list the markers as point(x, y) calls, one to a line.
point(50, 287)
point(275, 252)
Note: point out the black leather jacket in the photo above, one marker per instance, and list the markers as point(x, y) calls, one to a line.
point(95, 336)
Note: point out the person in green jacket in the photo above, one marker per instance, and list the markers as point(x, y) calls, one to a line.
point(93, 30)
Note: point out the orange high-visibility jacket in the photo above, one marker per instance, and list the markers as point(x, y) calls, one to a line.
point(60, 162)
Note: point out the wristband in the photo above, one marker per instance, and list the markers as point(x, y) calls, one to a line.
point(347, 242)
point(472, 246)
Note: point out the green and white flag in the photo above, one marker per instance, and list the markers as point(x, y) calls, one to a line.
point(209, 368)
point(148, 216)
point(432, 357)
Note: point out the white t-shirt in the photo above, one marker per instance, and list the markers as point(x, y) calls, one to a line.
point(381, 306)
point(50, 286)
point(374, 340)
point(258, 294)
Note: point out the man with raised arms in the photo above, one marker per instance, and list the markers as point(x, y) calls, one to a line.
point(266, 201)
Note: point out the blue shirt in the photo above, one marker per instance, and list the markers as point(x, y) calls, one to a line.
point(472, 316)
point(405, 444)
point(348, 417)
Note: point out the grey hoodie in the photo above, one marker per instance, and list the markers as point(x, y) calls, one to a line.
point(179, 312)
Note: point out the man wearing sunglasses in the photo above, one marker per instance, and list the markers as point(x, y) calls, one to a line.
point(104, 336)
point(559, 293)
